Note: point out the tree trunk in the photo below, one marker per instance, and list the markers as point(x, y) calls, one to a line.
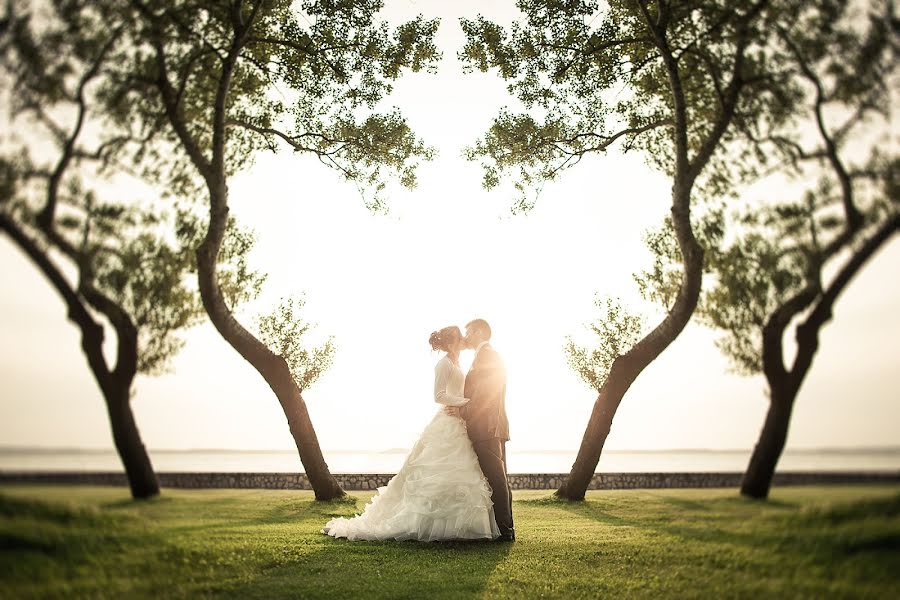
point(322, 481)
point(599, 425)
point(141, 477)
point(117, 394)
point(272, 367)
point(784, 385)
point(758, 477)
point(626, 368)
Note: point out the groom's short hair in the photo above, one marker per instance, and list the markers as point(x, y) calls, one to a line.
point(481, 325)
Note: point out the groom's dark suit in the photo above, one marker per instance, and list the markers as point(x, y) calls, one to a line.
point(488, 427)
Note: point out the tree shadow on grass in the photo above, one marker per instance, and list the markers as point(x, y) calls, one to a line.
point(221, 514)
point(10, 542)
point(823, 535)
point(135, 502)
point(684, 521)
point(275, 550)
point(344, 569)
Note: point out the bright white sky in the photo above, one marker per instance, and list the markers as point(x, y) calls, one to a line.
point(448, 252)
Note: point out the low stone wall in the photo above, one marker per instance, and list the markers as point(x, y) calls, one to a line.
point(527, 481)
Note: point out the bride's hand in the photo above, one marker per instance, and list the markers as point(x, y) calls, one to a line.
point(453, 411)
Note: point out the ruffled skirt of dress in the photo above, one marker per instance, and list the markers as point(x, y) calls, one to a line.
point(439, 493)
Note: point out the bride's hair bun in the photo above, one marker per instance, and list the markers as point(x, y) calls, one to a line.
point(435, 340)
point(444, 338)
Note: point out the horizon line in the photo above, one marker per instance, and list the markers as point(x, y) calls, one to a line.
point(88, 449)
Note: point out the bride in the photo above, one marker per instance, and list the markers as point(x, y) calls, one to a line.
point(440, 492)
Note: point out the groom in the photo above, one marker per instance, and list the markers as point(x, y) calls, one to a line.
point(485, 417)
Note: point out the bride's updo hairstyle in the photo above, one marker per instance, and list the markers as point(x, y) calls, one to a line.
point(445, 338)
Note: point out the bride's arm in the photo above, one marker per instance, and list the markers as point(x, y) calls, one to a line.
point(441, 377)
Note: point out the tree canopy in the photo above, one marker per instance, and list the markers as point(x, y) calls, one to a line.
point(304, 76)
point(591, 77)
point(63, 182)
point(770, 261)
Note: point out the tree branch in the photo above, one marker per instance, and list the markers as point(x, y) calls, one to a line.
point(851, 212)
point(808, 331)
point(306, 49)
point(594, 50)
point(608, 141)
point(678, 100)
point(293, 141)
point(91, 331)
point(127, 333)
point(46, 216)
point(170, 97)
point(773, 331)
point(729, 97)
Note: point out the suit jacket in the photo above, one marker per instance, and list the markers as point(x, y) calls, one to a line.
point(485, 413)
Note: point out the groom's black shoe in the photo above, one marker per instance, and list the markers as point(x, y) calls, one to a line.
point(507, 537)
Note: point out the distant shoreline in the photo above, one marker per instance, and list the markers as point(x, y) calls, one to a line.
point(15, 449)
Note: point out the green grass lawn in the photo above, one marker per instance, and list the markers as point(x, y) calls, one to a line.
point(805, 542)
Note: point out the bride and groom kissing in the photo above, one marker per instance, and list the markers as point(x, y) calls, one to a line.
point(453, 485)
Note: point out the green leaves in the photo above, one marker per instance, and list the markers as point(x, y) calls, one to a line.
point(341, 62)
point(308, 75)
point(661, 282)
point(758, 259)
point(136, 261)
point(590, 77)
point(802, 106)
point(616, 330)
point(282, 330)
point(365, 151)
point(557, 69)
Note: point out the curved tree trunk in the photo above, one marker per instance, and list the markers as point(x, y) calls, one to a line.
point(271, 366)
point(212, 169)
point(115, 388)
point(599, 425)
point(625, 370)
point(784, 385)
point(758, 477)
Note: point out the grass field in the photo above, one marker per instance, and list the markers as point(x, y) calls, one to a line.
point(809, 542)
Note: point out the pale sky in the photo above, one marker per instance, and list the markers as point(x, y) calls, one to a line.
point(447, 252)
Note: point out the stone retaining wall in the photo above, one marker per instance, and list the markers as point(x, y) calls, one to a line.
point(528, 481)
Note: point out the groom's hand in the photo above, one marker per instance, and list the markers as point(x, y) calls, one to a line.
point(453, 411)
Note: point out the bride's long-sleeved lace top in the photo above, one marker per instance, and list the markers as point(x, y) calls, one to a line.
point(449, 383)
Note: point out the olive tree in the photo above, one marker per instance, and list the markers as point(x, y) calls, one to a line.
point(692, 76)
point(777, 268)
point(194, 90)
point(132, 261)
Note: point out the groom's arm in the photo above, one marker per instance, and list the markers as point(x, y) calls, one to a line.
point(460, 411)
point(489, 377)
point(463, 411)
point(475, 391)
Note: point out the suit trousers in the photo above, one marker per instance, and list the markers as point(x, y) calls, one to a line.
point(492, 458)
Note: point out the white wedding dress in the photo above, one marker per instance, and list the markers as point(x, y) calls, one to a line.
point(440, 492)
